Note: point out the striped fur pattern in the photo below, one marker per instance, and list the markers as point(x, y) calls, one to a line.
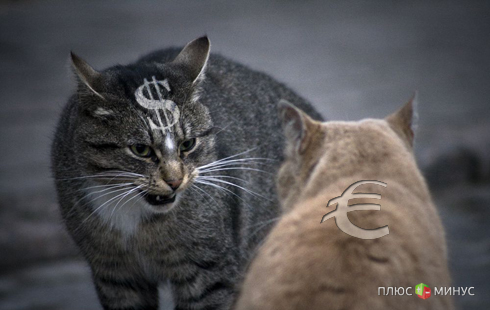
point(186, 206)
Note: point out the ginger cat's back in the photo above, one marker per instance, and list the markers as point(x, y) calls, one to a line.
point(307, 265)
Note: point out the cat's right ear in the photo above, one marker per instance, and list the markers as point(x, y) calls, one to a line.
point(194, 57)
point(295, 124)
point(404, 121)
point(88, 77)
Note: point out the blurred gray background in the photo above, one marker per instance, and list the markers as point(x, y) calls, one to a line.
point(352, 59)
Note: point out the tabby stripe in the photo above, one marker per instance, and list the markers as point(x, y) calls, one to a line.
point(186, 280)
point(215, 287)
point(380, 260)
point(116, 283)
point(102, 146)
point(174, 264)
point(207, 265)
point(196, 152)
point(96, 166)
point(208, 132)
point(181, 273)
point(128, 284)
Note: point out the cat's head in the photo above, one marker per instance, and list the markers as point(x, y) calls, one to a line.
point(142, 127)
point(318, 153)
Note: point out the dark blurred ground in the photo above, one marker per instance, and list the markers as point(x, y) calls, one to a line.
point(352, 59)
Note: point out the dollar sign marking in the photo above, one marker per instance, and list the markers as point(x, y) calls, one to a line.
point(157, 105)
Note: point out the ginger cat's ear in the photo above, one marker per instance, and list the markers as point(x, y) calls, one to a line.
point(87, 75)
point(404, 121)
point(194, 57)
point(295, 124)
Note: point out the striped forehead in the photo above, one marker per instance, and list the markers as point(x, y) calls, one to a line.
point(165, 140)
point(166, 112)
point(163, 115)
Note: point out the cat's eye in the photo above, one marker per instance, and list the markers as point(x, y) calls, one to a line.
point(187, 145)
point(141, 150)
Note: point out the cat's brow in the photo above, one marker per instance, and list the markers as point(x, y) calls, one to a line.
point(207, 132)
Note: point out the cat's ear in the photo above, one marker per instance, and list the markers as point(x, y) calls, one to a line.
point(295, 124)
point(88, 76)
point(194, 57)
point(404, 121)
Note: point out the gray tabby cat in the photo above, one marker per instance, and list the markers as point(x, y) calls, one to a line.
point(164, 172)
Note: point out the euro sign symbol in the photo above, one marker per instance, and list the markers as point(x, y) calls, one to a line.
point(160, 105)
point(340, 213)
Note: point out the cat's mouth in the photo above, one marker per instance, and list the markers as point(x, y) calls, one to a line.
point(160, 200)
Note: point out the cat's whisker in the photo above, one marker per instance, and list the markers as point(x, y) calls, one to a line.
point(122, 198)
point(140, 196)
point(193, 189)
point(100, 177)
point(218, 187)
point(236, 168)
point(234, 165)
point(229, 157)
point(226, 177)
point(104, 185)
point(197, 187)
point(91, 200)
point(114, 188)
point(241, 160)
point(267, 221)
point(222, 129)
point(225, 190)
point(241, 153)
point(125, 174)
point(105, 203)
point(113, 173)
point(263, 224)
point(226, 167)
point(211, 179)
point(108, 174)
point(220, 162)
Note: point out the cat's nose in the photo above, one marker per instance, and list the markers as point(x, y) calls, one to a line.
point(174, 184)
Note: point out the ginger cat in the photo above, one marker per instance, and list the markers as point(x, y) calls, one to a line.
point(305, 264)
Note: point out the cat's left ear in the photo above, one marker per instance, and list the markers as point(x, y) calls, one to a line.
point(404, 121)
point(295, 124)
point(194, 57)
point(88, 76)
